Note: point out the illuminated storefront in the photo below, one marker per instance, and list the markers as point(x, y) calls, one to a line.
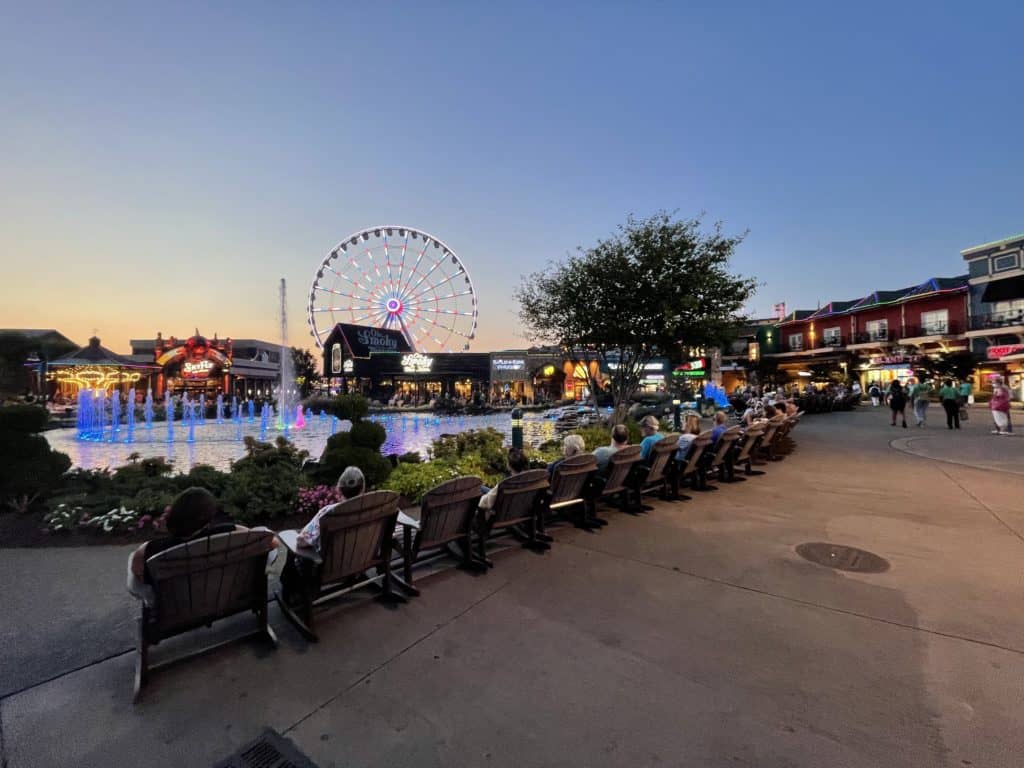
point(96, 367)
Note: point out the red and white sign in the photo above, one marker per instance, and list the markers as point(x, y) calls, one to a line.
point(994, 353)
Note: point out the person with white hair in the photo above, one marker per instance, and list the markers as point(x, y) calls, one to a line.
point(352, 483)
point(649, 429)
point(572, 445)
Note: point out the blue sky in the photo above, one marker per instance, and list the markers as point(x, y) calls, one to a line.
point(164, 167)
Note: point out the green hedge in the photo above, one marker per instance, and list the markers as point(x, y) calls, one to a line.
point(23, 418)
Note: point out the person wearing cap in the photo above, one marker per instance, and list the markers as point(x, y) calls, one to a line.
point(352, 483)
point(649, 429)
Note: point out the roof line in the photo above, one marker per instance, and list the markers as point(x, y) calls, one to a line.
point(994, 242)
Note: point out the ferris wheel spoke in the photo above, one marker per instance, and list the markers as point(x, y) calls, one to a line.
point(415, 268)
point(417, 301)
point(401, 265)
point(428, 273)
point(342, 309)
point(345, 277)
point(387, 261)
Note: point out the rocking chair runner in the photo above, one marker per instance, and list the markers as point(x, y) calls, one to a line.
point(199, 582)
point(569, 482)
point(748, 445)
point(355, 536)
point(620, 465)
point(515, 508)
point(447, 513)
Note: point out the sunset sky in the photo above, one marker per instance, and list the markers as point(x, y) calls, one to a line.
point(162, 167)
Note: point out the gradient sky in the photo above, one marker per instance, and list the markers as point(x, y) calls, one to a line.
point(163, 166)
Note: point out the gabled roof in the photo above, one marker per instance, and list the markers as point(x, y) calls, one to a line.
point(836, 308)
point(94, 353)
point(797, 315)
point(882, 297)
point(994, 244)
point(940, 285)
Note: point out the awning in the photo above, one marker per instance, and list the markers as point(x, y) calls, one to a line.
point(1007, 289)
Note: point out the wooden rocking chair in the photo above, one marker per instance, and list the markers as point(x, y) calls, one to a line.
point(515, 508)
point(354, 537)
point(654, 477)
point(620, 466)
point(198, 582)
point(567, 494)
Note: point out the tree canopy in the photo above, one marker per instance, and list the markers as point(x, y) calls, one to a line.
point(658, 286)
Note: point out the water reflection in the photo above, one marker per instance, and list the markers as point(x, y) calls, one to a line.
point(220, 444)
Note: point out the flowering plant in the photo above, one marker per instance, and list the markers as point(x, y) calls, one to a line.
point(312, 500)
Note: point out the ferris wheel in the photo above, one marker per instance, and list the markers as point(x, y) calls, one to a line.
point(398, 278)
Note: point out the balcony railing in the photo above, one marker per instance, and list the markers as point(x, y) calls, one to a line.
point(867, 337)
point(933, 329)
point(997, 320)
point(832, 341)
point(795, 347)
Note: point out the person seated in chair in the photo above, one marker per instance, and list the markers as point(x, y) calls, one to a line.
point(191, 516)
point(620, 439)
point(572, 445)
point(691, 428)
point(517, 462)
point(352, 483)
point(721, 424)
point(649, 429)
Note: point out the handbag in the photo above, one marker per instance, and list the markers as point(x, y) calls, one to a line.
point(963, 414)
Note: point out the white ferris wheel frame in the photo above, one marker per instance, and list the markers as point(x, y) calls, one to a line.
point(364, 236)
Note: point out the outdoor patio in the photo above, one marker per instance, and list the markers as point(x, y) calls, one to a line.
point(693, 635)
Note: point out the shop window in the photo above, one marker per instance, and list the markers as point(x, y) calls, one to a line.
point(832, 337)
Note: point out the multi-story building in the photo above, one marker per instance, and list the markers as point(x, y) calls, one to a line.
point(878, 337)
point(996, 325)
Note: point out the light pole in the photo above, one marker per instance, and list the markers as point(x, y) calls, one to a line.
point(517, 428)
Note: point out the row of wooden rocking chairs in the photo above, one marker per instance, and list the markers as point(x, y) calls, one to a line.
point(218, 576)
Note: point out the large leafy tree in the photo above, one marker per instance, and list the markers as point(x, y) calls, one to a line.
point(658, 286)
point(307, 373)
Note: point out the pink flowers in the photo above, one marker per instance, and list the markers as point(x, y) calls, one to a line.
point(312, 500)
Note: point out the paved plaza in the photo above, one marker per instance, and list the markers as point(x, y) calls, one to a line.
point(690, 636)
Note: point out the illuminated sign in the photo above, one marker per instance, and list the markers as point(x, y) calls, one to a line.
point(417, 363)
point(509, 364)
point(693, 368)
point(648, 367)
point(994, 353)
point(196, 368)
point(349, 366)
point(336, 358)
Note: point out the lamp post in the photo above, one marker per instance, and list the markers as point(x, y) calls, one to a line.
point(517, 428)
point(677, 423)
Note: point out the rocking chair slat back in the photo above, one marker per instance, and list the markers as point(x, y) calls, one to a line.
point(209, 578)
point(517, 497)
point(661, 456)
point(446, 512)
point(621, 462)
point(356, 535)
point(570, 477)
point(700, 445)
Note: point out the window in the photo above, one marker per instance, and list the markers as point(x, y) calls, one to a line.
point(832, 337)
point(1006, 261)
point(796, 342)
point(878, 330)
point(933, 323)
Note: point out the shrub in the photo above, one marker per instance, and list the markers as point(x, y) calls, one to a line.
point(358, 447)
point(30, 467)
point(26, 419)
point(414, 480)
point(351, 407)
point(368, 434)
point(312, 500)
point(205, 476)
point(265, 483)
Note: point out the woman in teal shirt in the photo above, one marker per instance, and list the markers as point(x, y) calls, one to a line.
point(948, 396)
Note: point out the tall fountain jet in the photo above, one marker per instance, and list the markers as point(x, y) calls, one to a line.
point(285, 392)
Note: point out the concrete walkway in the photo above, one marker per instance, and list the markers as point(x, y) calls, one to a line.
point(693, 635)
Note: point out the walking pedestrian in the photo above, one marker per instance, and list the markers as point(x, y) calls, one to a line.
point(1000, 407)
point(949, 397)
point(919, 396)
point(897, 402)
point(875, 394)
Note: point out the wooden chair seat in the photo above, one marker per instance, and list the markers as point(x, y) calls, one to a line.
point(691, 467)
point(723, 455)
point(567, 492)
point(655, 475)
point(748, 446)
point(199, 582)
point(516, 509)
point(616, 482)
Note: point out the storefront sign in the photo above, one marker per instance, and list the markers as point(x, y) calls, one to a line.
point(364, 341)
point(196, 369)
point(647, 367)
point(348, 366)
point(693, 368)
point(994, 353)
point(895, 360)
point(417, 363)
point(508, 364)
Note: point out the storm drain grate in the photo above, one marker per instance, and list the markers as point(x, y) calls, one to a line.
point(842, 558)
point(270, 750)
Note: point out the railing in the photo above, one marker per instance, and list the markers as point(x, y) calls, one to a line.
point(997, 320)
point(794, 347)
point(832, 341)
point(933, 329)
point(867, 337)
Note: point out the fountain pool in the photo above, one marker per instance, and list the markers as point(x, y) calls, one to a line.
point(220, 444)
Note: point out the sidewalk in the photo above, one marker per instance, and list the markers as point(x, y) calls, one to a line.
point(693, 635)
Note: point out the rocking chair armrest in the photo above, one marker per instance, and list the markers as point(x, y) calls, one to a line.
point(291, 541)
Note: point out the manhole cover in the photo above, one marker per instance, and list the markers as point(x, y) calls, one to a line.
point(842, 558)
point(271, 750)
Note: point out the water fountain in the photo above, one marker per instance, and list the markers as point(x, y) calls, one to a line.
point(220, 407)
point(130, 416)
point(192, 422)
point(264, 419)
point(286, 388)
point(300, 418)
point(147, 409)
point(252, 410)
point(169, 410)
point(334, 424)
point(115, 415)
point(202, 408)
